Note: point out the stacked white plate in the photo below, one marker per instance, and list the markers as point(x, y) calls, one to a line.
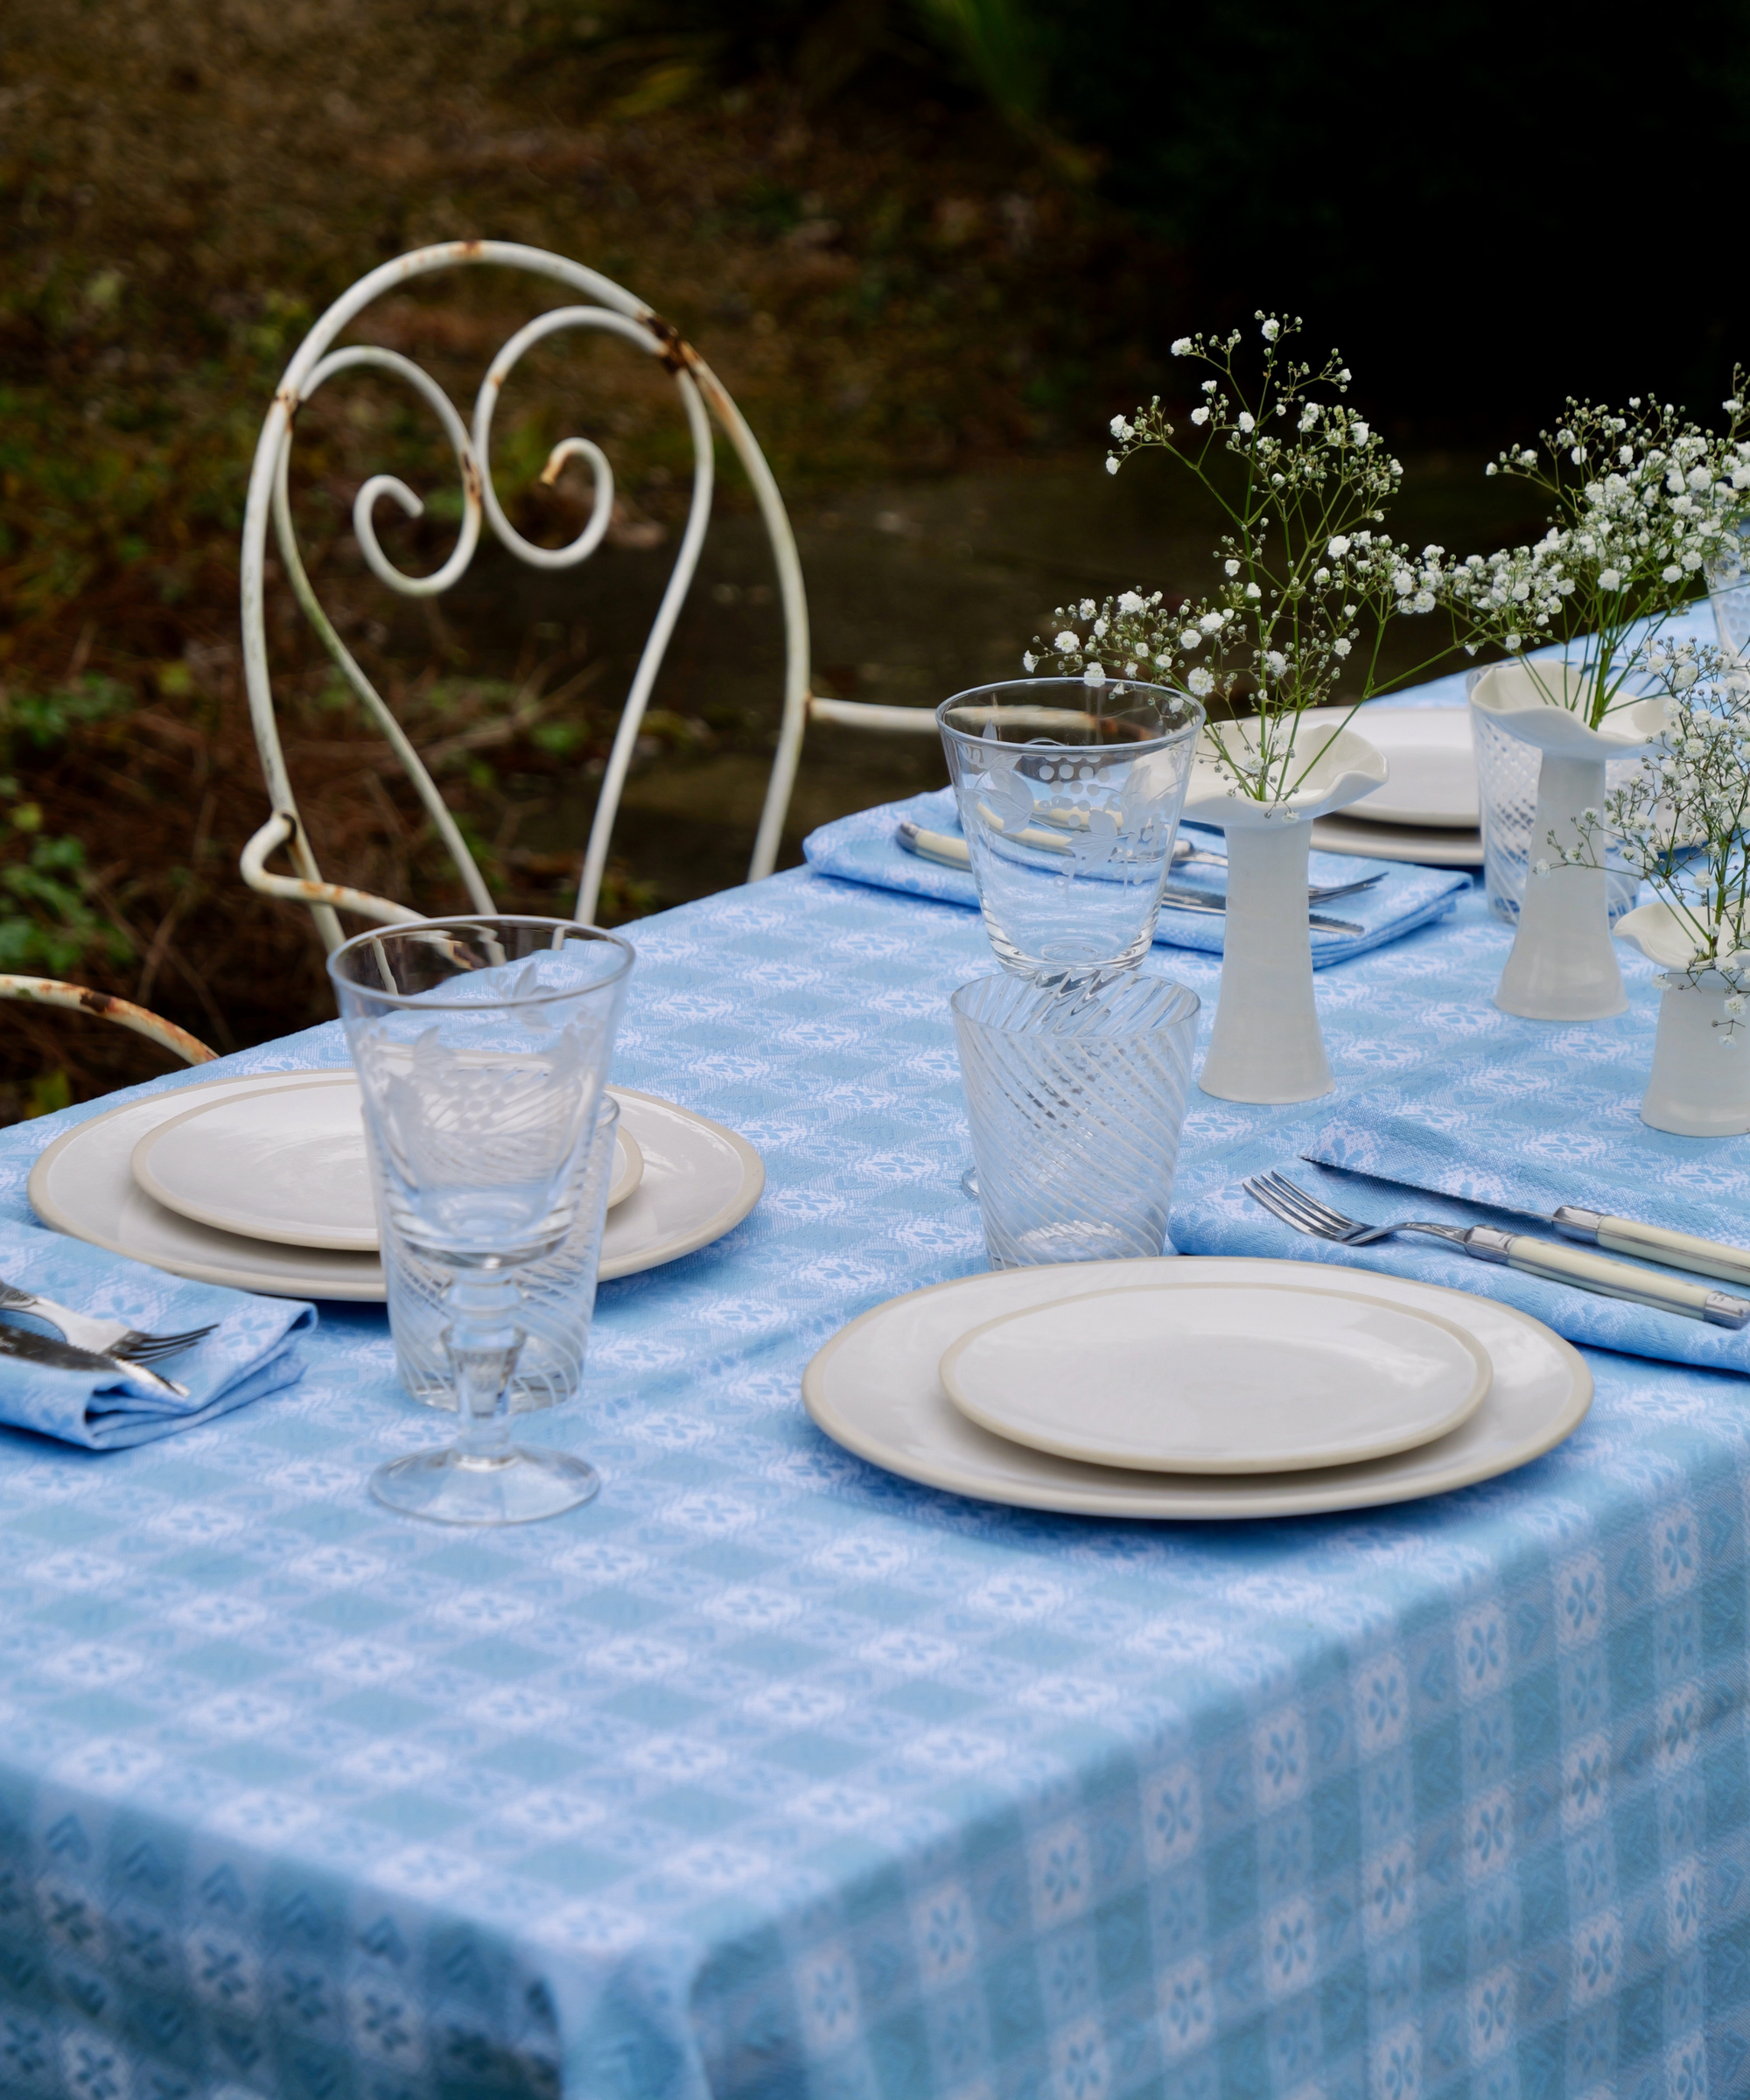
point(1209, 1387)
point(1429, 811)
point(263, 1183)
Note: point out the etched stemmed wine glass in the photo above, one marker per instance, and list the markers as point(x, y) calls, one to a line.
point(481, 1047)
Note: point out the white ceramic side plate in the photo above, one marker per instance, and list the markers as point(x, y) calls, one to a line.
point(1421, 846)
point(1433, 778)
point(874, 1389)
point(699, 1181)
point(288, 1164)
point(1190, 1376)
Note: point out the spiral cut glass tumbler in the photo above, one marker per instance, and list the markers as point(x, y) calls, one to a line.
point(1076, 1095)
point(1069, 797)
point(482, 1045)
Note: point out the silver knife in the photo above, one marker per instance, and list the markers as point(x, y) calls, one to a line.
point(950, 852)
point(31, 1347)
point(1199, 900)
point(1617, 1236)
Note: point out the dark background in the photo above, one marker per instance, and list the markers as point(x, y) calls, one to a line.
point(931, 246)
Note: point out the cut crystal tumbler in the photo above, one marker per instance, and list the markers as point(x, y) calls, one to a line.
point(1076, 1095)
point(482, 1045)
point(1069, 797)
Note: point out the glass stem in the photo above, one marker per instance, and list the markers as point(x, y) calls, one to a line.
point(484, 1341)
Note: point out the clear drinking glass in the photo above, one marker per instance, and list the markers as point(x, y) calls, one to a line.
point(558, 1299)
point(482, 1045)
point(1076, 1095)
point(1728, 592)
point(1507, 790)
point(1069, 797)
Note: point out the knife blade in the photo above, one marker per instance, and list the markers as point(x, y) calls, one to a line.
point(29, 1347)
point(1597, 1228)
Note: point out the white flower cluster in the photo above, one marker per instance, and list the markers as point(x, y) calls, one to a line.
point(1307, 578)
point(1644, 505)
point(1679, 824)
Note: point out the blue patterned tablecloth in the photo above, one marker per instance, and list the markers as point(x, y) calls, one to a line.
point(770, 1776)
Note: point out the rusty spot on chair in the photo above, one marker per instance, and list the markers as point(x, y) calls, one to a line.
point(677, 354)
point(469, 247)
point(98, 1002)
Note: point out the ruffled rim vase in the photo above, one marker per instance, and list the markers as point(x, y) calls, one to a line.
point(1562, 966)
point(1266, 1045)
point(1700, 1083)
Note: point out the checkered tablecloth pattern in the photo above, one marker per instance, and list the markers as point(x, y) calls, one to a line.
point(769, 1774)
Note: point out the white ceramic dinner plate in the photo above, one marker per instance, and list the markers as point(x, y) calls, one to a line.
point(1191, 1376)
point(699, 1181)
point(288, 1164)
point(1431, 775)
point(1422, 845)
point(874, 1389)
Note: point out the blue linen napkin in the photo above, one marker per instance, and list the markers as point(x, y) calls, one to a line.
point(1226, 1221)
point(864, 848)
point(1540, 1117)
point(251, 1352)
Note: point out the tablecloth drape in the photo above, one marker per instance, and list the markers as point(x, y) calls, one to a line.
point(769, 1774)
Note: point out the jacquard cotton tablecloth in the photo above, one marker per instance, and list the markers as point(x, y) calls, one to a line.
point(768, 1774)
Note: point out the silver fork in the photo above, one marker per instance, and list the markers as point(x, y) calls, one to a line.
point(1555, 1264)
point(105, 1337)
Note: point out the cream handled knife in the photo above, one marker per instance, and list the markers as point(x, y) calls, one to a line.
point(1617, 1236)
point(1654, 1244)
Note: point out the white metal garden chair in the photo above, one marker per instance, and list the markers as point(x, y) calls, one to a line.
point(611, 310)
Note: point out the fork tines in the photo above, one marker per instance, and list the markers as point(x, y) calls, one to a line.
point(143, 1348)
point(1286, 1200)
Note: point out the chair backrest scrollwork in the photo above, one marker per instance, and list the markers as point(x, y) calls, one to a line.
point(609, 310)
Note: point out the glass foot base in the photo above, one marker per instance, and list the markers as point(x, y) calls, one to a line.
point(514, 1487)
point(969, 1183)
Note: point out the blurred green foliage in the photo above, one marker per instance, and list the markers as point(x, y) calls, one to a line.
point(49, 925)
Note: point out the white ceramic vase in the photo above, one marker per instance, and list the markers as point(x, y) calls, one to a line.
point(1265, 1045)
point(1562, 966)
point(1699, 1087)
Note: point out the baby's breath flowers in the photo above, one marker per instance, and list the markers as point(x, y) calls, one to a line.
point(1644, 503)
point(1308, 581)
point(1679, 824)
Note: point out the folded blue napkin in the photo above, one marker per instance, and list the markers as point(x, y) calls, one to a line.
point(251, 1351)
point(1226, 1221)
point(1527, 1117)
point(865, 848)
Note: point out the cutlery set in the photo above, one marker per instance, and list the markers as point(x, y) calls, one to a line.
point(1554, 1261)
point(92, 1345)
point(948, 851)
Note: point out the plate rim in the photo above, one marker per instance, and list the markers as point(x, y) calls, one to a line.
point(372, 1289)
point(139, 1164)
point(721, 1221)
point(1104, 1501)
point(1391, 1446)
